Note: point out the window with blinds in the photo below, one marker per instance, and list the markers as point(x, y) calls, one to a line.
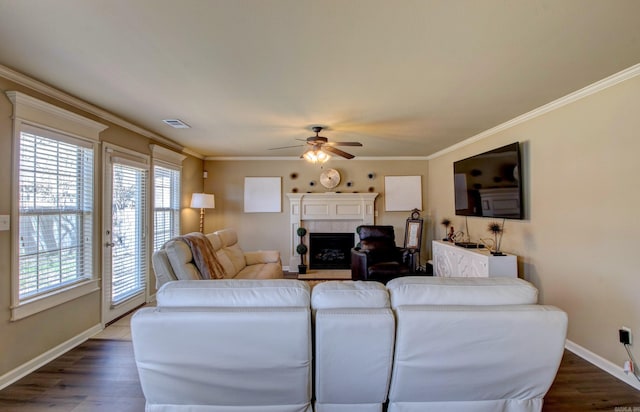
point(56, 212)
point(129, 253)
point(166, 218)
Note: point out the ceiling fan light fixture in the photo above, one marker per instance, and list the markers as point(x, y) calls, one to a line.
point(320, 149)
point(315, 156)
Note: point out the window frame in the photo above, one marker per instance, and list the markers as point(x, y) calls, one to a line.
point(167, 159)
point(178, 192)
point(63, 125)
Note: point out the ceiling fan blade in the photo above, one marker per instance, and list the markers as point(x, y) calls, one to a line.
point(344, 144)
point(286, 147)
point(338, 152)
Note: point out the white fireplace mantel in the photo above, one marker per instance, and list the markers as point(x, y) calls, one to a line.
point(329, 211)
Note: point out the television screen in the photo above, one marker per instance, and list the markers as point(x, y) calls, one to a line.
point(489, 184)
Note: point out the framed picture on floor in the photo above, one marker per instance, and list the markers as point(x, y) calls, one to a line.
point(413, 234)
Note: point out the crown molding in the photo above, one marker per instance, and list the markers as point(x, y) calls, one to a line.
point(34, 110)
point(166, 155)
point(192, 153)
point(593, 88)
point(297, 158)
point(54, 93)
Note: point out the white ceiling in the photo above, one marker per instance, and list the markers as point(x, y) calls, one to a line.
point(404, 77)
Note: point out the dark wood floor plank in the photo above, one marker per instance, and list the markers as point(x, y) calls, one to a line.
point(580, 386)
point(101, 376)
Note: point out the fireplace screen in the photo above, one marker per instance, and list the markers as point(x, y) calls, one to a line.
point(330, 250)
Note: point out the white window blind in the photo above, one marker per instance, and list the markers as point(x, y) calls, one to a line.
point(166, 219)
point(129, 259)
point(55, 182)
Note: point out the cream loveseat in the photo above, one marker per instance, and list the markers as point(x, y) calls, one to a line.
point(174, 261)
point(418, 344)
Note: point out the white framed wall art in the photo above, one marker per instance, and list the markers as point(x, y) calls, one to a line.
point(402, 193)
point(262, 194)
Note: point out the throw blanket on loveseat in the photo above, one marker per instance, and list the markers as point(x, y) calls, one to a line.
point(204, 256)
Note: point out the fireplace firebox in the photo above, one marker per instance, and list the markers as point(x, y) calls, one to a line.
point(330, 250)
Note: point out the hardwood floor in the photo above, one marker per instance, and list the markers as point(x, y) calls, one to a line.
point(100, 375)
point(580, 386)
point(97, 376)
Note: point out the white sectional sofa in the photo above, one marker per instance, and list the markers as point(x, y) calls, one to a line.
point(220, 345)
point(418, 344)
point(175, 260)
point(472, 344)
point(354, 334)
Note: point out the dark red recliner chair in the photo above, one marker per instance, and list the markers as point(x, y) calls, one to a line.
point(376, 257)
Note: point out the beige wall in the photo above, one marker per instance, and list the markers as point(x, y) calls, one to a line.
point(579, 242)
point(23, 340)
point(270, 230)
point(192, 182)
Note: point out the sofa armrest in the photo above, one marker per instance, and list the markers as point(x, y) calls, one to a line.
point(262, 256)
point(162, 268)
point(358, 264)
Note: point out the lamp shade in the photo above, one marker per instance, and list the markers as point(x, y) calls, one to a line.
point(203, 201)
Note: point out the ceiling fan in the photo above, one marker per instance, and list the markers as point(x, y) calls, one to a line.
point(320, 148)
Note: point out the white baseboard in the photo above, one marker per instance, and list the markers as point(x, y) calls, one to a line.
point(41, 360)
point(602, 363)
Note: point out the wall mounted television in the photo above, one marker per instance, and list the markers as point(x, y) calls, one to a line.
point(490, 184)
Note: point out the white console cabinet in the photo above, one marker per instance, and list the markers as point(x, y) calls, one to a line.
point(450, 260)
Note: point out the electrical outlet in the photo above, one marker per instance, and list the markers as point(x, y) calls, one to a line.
point(625, 335)
point(4, 222)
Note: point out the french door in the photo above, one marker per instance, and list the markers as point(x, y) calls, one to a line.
point(125, 236)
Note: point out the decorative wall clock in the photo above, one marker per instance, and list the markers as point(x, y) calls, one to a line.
point(330, 178)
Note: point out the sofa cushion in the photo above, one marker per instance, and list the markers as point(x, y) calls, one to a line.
point(420, 290)
point(236, 255)
point(349, 294)
point(216, 243)
point(223, 359)
point(234, 293)
point(181, 260)
point(229, 239)
point(227, 265)
point(262, 256)
point(261, 271)
point(461, 358)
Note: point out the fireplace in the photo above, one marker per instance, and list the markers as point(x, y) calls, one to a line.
point(330, 250)
point(327, 213)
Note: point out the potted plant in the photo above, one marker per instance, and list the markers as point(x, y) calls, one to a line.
point(497, 230)
point(302, 250)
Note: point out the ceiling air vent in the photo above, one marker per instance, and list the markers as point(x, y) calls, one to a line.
point(176, 123)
